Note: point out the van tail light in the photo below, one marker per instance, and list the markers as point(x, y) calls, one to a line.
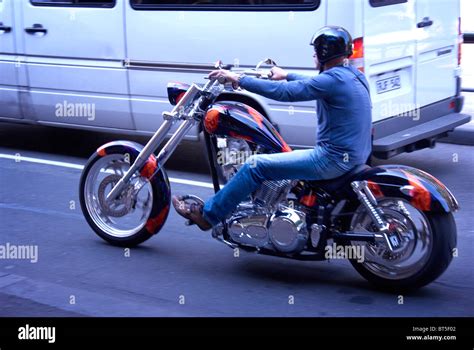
point(357, 58)
point(460, 42)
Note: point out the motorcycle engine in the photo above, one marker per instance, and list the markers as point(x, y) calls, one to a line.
point(266, 222)
point(232, 155)
point(287, 231)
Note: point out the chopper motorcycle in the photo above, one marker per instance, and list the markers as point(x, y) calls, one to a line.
point(401, 217)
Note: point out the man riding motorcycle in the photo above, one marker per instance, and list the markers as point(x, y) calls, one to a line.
point(344, 126)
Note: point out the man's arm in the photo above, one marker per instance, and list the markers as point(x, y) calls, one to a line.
point(297, 76)
point(277, 73)
point(293, 91)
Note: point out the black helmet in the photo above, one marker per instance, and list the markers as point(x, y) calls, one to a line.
point(331, 42)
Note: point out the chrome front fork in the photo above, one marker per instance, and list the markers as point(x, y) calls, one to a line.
point(150, 147)
point(169, 119)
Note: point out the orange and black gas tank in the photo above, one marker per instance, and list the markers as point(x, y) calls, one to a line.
point(240, 121)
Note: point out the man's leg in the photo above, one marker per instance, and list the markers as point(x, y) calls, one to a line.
point(300, 164)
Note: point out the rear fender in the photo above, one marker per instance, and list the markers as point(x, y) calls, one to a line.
point(421, 189)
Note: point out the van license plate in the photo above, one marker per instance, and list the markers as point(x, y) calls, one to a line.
point(388, 84)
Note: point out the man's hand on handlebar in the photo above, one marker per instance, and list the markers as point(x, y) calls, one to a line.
point(276, 73)
point(225, 76)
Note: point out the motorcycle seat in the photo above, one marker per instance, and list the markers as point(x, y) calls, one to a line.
point(332, 185)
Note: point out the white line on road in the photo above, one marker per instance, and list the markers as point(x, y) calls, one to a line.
point(19, 158)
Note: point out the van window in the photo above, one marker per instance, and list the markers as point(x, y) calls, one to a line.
point(234, 5)
point(378, 3)
point(75, 3)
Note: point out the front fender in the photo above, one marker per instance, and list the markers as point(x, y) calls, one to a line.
point(421, 189)
point(133, 149)
point(159, 180)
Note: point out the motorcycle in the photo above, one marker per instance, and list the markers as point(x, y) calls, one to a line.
point(399, 217)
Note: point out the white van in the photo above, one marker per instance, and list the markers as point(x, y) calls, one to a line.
point(104, 64)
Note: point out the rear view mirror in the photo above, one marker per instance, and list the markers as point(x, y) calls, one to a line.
point(267, 61)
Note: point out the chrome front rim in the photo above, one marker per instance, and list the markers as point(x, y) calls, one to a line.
point(412, 228)
point(126, 215)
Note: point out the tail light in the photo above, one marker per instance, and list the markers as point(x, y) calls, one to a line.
point(460, 42)
point(357, 58)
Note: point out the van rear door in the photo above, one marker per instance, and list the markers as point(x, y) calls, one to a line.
point(9, 64)
point(436, 50)
point(389, 47)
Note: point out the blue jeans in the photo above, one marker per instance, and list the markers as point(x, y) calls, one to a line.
point(311, 164)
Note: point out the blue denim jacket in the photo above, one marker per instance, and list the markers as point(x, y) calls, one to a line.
point(343, 107)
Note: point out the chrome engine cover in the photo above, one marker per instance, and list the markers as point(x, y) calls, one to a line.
point(266, 222)
point(284, 231)
point(287, 230)
point(249, 227)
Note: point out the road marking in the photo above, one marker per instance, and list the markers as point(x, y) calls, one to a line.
point(42, 211)
point(288, 110)
point(41, 161)
point(80, 167)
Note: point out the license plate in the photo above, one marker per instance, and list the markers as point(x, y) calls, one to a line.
point(388, 84)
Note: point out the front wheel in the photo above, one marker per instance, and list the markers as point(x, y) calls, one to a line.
point(428, 241)
point(137, 214)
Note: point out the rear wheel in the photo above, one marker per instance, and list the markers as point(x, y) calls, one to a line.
point(428, 240)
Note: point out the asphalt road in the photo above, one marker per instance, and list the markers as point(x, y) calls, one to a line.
point(183, 271)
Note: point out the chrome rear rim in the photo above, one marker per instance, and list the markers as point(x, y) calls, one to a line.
point(413, 230)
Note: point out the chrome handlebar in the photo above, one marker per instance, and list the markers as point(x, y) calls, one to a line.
point(190, 95)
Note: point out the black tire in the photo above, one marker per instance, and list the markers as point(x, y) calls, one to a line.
point(158, 206)
point(443, 228)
